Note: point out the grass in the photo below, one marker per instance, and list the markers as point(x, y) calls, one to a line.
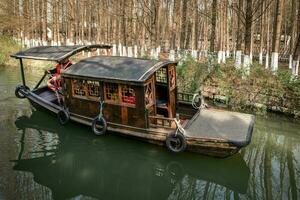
point(8, 46)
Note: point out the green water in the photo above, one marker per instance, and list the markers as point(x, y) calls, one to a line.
point(39, 159)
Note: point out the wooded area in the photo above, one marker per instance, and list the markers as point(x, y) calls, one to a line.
point(265, 30)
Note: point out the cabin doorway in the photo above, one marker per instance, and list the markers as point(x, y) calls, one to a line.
point(165, 91)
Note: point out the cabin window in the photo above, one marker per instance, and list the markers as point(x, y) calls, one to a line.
point(128, 94)
point(93, 88)
point(111, 92)
point(79, 88)
point(172, 78)
point(161, 75)
point(86, 89)
point(149, 90)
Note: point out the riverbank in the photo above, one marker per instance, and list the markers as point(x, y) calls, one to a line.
point(8, 47)
point(258, 91)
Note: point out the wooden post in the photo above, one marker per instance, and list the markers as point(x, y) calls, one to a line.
point(22, 72)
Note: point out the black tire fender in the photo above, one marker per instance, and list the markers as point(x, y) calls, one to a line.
point(18, 93)
point(197, 101)
point(63, 117)
point(100, 122)
point(176, 142)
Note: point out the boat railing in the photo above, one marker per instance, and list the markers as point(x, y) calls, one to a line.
point(164, 122)
point(185, 97)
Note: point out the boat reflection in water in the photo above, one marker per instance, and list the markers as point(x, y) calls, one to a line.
point(73, 163)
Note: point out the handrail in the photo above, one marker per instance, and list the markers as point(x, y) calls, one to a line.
point(185, 97)
point(161, 121)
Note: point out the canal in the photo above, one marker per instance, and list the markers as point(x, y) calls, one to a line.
point(39, 159)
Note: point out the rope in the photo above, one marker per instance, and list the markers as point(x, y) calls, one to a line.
point(58, 99)
point(100, 108)
point(179, 127)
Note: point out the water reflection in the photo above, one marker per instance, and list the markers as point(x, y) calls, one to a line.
point(73, 163)
point(274, 159)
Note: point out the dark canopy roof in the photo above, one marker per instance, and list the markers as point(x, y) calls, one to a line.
point(55, 53)
point(116, 68)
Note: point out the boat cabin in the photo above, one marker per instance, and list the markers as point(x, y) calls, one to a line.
point(132, 89)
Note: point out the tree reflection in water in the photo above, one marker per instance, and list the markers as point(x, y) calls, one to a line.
point(73, 163)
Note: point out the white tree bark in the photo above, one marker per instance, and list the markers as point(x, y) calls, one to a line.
point(238, 59)
point(172, 55)
point(274, 61)
point(129, 52)
point(223, 57)
point(227, 54)
point(247, 63)
point(195, 54)
point(135, 51)
point(295, 69)
point(267, 61)
point(157, 52)
point(290, 61)
point(114, 50)
point(120, 50)
point(260, 58)
point(220, 56)
point(154, 53)
point(124, 51)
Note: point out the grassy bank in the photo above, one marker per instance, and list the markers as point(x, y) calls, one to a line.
point(258, 91)
point(8, 47)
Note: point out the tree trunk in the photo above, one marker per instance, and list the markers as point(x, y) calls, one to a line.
point(261, 49)
point(267, 40)
point(205, 30)
point(196, 24)
point(276, 34)
point(292, 33)
point(213, 25)
point(248, 35)
point(296, 56)
point(221, 32)
point(238, 58)
point(183, 24)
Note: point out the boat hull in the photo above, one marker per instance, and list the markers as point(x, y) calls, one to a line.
point(205, 146)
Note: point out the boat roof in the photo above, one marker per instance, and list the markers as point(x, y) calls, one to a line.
point(55, 53)
point(115, 68)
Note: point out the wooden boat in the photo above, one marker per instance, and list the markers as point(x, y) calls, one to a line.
point(134, 97)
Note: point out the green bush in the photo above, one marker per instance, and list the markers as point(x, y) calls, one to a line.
point(192, 74)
